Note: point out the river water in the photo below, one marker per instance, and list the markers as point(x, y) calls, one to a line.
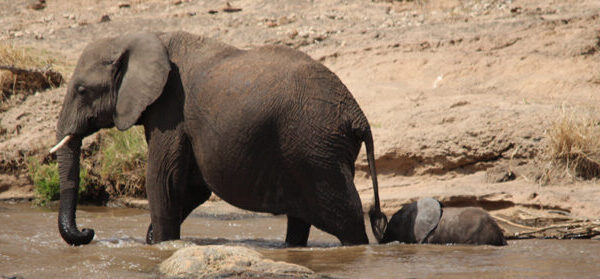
point(31, 247)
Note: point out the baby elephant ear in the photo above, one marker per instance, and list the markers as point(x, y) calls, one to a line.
point(429, 212)
point(142, 71)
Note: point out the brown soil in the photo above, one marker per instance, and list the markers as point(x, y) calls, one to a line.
point(459, 94)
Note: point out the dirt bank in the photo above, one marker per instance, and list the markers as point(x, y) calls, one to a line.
point(460, 94)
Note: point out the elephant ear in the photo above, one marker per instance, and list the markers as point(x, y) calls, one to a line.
point(429, 212)
point(143, 67)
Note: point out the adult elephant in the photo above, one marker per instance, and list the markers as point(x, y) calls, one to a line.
point(267, 129)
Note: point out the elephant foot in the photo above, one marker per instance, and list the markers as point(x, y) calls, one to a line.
point(297, 232)
point(149, 239)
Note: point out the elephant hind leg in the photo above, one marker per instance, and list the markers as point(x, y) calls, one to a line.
point(297, 232)
point(339, 210)
point(355, 233)
point(348, 228)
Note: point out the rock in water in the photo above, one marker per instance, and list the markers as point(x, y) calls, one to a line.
point(215, 261)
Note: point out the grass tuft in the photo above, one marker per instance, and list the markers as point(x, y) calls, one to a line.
point(27, 58)
point(115, 169)
point(47, 182)
point(574, 146)
point(123, 159)
point(24, 70)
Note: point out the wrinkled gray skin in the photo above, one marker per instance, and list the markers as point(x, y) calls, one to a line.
point(267, 129)
point(426, 221)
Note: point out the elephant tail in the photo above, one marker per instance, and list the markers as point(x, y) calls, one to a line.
point(378, 219)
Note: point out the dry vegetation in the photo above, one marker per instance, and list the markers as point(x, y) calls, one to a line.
point(573, 147)
point(24, 71)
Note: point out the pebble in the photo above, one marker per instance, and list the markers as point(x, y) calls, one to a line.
point(48, 18)
point(38, 5)
point(304, 34)
point(292, 34)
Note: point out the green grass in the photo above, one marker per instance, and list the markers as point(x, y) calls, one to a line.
point(47, 183)
point(116, 169)
point(122, 161)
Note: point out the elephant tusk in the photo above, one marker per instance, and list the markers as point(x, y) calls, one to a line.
point(60, 144)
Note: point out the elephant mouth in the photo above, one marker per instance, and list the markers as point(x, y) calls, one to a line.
point(91, 128)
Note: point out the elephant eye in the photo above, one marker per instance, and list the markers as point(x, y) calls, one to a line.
point(80, 89)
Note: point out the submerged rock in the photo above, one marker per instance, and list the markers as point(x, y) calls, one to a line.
point(215, 261)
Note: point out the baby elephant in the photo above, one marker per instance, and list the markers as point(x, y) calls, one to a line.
point(426, 222)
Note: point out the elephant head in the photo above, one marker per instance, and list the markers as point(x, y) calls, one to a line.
point(414, 222)
point(114, 81)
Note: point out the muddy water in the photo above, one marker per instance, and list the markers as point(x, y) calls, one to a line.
point(31, 247)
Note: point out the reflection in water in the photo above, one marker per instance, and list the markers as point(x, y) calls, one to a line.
point(521, 259)
point(31, 247)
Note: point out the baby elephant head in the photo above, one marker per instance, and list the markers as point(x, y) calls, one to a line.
point(426, 222)
point(414, 222)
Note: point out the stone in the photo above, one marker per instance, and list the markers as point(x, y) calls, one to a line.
point(37, 5)
point(104, 18)
point(216, 261)
point(499, 174)
point(231, 9)
point(292, 34)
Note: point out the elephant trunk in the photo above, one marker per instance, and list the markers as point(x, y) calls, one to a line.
point(68, 167)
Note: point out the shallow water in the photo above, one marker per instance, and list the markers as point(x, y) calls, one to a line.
point(31, 247)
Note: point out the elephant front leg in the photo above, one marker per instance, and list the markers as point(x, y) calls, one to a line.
point(297, 232)
point(165, 210)
point(166, 184)
point(196, 192)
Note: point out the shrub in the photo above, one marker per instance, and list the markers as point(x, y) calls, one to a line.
point(574, 146)
point(115, 167)
point(26, 57)
point(122, 161)
point(26, 70)
point(47, 183)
